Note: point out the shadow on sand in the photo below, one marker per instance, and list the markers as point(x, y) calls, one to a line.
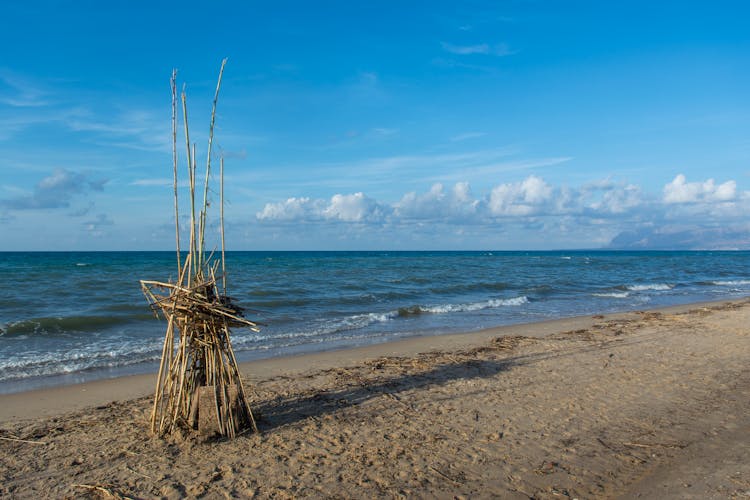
point(281, 411)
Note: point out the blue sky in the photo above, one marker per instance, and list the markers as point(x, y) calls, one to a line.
point(380, 125)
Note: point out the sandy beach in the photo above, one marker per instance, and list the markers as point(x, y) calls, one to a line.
point(650, 404)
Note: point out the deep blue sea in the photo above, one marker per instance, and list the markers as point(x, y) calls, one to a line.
point(70, 317)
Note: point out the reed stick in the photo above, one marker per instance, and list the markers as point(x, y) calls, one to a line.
point(221, 220)
point(191, 181)
point(208, 160)
point(173, 86)
point(198, 310)
point(193, 234)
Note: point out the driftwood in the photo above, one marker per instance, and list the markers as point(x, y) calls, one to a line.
point(198, 385)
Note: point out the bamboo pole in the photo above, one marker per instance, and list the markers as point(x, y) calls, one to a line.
point(158, 395)
point(208, 160)
point(173, 85)
point(198, 309)
point(192, 183)
point(241, 387)
point(221, 220)
point(199, 262)
point(167, 354)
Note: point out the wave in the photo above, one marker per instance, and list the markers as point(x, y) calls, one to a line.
point(651, 286)
point(58, 325)
point(616, 295)
point(317, 328)
point(730, 283)
point(328, 327)
point(75, 360)
point(454, 308)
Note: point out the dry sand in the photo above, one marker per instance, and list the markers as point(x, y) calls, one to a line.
point(651, 405)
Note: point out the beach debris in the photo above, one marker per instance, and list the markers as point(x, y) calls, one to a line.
point(104, 491)
point(199, 385)
point(19, 440)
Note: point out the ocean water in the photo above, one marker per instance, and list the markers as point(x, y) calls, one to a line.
point(77, 316)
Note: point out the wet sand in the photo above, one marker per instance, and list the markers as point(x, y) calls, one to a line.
point(646, 404)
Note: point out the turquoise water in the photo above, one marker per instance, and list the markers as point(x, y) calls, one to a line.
point(69, 317)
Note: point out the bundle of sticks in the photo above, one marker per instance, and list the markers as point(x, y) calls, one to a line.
point(199, 385)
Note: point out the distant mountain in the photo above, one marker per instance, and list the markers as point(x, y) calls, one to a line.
point(693, 239)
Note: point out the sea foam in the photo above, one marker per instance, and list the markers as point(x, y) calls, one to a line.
point(731, 283)
point(652, 286)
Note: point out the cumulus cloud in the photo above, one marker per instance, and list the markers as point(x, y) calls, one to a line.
point(521, 198)
point(55, 191)
point(593, 212)
point(607, 197)
point(290, 210)
point(341, 207)
point(681, 191)
point(457, 203)
point(353, 208)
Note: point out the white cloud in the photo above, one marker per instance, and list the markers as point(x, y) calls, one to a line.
point(587, 215)
point(681, 191)
point(605, 196)
point(352, 208)
point(341, 207)
point(618, 201)
point(289, 210)
point(458, 203)
point(522, 198)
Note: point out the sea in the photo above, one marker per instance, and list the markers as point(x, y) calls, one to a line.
point(69, 317)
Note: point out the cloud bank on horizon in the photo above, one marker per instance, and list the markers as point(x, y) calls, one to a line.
point(481, 126)
point(699, 208)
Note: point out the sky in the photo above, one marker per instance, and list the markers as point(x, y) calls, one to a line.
point(393, 125)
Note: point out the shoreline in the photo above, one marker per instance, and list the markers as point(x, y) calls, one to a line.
point(650, 404)
point(59, 399)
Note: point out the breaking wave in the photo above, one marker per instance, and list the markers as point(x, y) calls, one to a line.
point(651, 286)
